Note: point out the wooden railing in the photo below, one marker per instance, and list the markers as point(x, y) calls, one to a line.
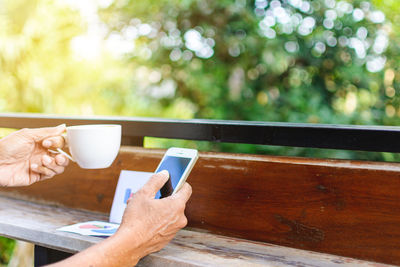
point(349, 137)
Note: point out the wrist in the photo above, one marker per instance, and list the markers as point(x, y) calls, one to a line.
point(111, 252)
point(8, 150)
point(2, 152)
point(126, 247)
point(5, 175)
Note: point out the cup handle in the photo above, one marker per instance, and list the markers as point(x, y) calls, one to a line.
point(60, 151)
point(64, 135)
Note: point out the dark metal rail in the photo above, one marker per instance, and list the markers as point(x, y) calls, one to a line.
point(134, 129)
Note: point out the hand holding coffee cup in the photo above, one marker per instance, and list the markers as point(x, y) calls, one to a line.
point(93, 146)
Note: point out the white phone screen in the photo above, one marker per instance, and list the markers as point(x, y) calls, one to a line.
point(176, 166)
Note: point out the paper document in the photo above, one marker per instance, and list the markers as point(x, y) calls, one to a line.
point(129, 183)
point(91, 228)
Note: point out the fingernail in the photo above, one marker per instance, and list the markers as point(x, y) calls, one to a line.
point(60, 160)
point(164, 172)
point(47, 143)
point(46, 159)
point(34, 166)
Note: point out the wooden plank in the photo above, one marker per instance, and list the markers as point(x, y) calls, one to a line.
point(346, 208)
point(37, 223)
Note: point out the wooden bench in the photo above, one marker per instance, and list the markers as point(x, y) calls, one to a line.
point(246, 210)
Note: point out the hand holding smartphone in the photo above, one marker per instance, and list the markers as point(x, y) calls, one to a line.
point(178, 162)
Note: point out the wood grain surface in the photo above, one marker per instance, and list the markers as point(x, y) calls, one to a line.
point(346, 208)
point(187, 249)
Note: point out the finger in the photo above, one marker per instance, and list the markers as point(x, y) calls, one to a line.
point(39, 134)
point(44, 172)
point(51, 164)
point(155, 183)
point(184, 193)
point(61, 160)
point(54, 142)
point(34, 177)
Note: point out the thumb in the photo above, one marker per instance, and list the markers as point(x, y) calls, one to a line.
point(39, 134)
point(155, 183)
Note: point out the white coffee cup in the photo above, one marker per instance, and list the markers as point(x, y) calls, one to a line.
point(93, 146)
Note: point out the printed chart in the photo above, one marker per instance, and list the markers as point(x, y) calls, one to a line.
point(92, 228)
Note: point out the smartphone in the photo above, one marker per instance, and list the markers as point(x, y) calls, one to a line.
point(178, 162)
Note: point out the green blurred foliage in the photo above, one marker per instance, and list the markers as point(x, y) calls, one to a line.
point(249, 75)
point(40, 71)
point(6, 249)
point(320, 61)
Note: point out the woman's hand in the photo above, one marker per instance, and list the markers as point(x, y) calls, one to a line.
point(149, 224)
point(25, 158)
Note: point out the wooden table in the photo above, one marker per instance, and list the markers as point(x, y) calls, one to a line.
point(37, 223)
